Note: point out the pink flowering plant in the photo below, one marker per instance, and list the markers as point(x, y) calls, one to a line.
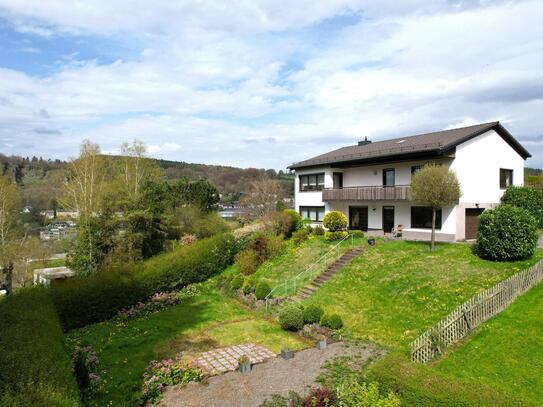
point(85, 367)
point(157, 302)
point(167, 372)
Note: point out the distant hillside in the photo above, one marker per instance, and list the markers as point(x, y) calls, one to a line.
point(532, 171)
point(40, 179)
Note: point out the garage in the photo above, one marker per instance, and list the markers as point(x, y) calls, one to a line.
point(472, 222)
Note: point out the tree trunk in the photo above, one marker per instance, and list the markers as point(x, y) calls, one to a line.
point(433, 238)
point(8, 270)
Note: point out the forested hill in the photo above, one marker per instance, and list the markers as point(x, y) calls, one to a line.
point(40, 179)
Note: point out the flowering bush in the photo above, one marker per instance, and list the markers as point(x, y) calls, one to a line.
point(158, 375)
point(157, 302)
point(85, 367)
point(187, 239)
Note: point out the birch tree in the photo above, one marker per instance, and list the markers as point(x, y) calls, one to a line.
point(10, 205)
point(136, 168)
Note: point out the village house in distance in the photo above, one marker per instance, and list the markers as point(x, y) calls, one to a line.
point(370, 182)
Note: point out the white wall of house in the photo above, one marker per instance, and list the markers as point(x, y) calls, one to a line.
point(477, 166)
point(311, 198)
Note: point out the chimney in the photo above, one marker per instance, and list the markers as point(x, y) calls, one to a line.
point(364, 142)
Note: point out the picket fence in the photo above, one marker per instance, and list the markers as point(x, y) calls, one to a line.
point(473, 313)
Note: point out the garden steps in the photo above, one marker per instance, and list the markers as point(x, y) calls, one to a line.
point(327, 274)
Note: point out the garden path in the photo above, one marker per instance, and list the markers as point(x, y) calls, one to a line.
point(276, 376)
point(222, 360)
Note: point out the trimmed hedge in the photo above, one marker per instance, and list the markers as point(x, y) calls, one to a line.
point(527, 198)
point(35, 369)
point(262, 289)
point(82, 300)
point(291, 318)
point(332, 321)
point(312, 314)
point(506, 233)
point(337, 235)
point(334, 221)
point(418, 385)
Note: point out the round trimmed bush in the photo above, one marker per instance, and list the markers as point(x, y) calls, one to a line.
point(337, 235)
point(291, 318)
point(312, 314)
point(237, 281)
point(318, 230)
point(334, 221)
point(262, 290)
point(332, 321)
point(527, 198)
point(506, 233)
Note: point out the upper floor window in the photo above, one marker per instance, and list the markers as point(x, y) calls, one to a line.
point(312, 182)
point(506, 178)
point(389, 176)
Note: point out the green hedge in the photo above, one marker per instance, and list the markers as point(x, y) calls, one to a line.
point(527, 198)
point(85, 300)
point(35, 369)
point(418, 385)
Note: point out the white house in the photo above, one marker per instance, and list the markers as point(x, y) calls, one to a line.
point(369, 182)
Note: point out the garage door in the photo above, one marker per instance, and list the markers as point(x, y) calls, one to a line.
point(472, 222)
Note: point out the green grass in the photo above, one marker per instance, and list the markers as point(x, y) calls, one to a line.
point(296, 259)
point(506, 352)
point(203, 322)
point(396, 290)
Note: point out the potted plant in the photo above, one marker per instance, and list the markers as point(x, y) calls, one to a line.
point(244, 364)
point(321, 342)
point(287, 353)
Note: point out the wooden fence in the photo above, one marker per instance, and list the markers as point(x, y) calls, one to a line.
point(473, 313)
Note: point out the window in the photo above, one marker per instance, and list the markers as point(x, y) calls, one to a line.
point(389, 176)
point(338, 180)
point(421, 217)
point(506, 178)
point(415, 169)
point(315, 213)
point(312, 182)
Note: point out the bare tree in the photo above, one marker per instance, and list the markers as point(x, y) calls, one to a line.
point(136, 167)
point(435, 186)
point(263, 196)
point(10, 205)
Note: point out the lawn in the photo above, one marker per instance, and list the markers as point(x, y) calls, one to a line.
point(398, 289)
point(506, 352)
point(203, 322)
point(296, 259)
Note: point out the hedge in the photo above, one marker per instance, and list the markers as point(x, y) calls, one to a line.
point(506, 233)
point(35, 369)
point(527, 198)
point(82, 300)
point(418, 385)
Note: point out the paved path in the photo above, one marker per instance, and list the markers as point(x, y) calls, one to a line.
point(275, 376)
point(222, 360)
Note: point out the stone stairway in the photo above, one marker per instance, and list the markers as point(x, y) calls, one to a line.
point(322, 278)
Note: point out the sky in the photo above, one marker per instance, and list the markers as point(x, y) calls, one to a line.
point(263, 83)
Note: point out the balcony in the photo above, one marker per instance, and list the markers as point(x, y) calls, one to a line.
point(367, 193)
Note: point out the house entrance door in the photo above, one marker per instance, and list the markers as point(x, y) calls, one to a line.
point(388, 218)
point(358, 217)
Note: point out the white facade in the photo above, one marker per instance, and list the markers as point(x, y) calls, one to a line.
point(476, 162)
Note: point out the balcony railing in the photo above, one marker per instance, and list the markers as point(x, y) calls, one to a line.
point(367, 193)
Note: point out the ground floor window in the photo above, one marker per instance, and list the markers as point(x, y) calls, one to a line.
point(315, 213)
point(421, 217)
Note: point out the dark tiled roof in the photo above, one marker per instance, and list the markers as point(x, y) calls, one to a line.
point(438, 143)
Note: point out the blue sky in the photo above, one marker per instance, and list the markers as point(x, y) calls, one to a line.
point(263, 83)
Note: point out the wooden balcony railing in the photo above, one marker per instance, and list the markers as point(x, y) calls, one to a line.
point(367, 193)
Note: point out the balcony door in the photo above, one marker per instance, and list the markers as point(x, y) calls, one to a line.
point(338, 180)
point(388, 218)
point(358, 217)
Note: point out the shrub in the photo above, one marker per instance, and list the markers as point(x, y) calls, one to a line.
point(352, 393)
point(320, 397)
point(332, 321)
point(35, 368)
point(266, 246)
point(248, 286)
point(237, 282)
point(356, 233)
point(247, 261)
point(334, 221)
point(187, 239)
point(527, 198)
point(296, 218)
point(262, 290)
point(506, 233)
point(85, 300)
point(312, 314)
point(291, 318)
point(159, 375)
point(192, 220)
point(338, 235)
point(85, 368)
point(421, 386)
point(318, 230)
point(300, 236)
point(279, 223)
